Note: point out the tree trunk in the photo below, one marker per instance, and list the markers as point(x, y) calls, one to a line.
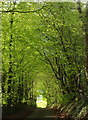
point(10, 72)
point(86, 41)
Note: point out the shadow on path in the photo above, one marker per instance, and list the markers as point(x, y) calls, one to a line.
point(42, 113)
point(35, 114)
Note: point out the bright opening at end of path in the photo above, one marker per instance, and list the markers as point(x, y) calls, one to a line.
point(41, 102)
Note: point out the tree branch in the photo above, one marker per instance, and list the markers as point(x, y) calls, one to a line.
point(22, 11)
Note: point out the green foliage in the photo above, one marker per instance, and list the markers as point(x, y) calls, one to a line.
point(42, 53)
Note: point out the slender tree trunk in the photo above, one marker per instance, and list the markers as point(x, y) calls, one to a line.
point(86, 40)
point(10, 72)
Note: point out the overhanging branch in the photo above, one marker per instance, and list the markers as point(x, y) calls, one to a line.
point(21, 11)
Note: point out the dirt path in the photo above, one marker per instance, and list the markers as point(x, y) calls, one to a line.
point(34, 114)
point(42, 113)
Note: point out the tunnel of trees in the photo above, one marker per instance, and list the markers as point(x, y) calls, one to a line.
point(44, 52)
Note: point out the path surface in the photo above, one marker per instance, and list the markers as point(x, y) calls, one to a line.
point(42, 113)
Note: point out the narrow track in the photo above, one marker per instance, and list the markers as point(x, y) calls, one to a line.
point(35, 114)
point(42, 113)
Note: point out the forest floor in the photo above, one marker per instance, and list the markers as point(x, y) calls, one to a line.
point(19, 114)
